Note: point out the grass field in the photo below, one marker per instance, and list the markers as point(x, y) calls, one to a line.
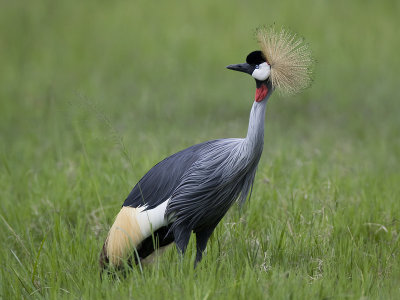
point(94, 93)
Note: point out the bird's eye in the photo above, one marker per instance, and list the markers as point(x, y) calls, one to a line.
point(257, 66)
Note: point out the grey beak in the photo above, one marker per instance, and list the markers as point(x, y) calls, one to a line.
point(246, 68)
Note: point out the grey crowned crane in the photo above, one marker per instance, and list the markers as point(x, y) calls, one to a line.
point(191, 191)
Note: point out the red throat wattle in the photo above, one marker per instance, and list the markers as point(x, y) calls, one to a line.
point(261, 92)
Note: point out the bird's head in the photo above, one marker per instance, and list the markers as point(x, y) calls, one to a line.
point(284, 63)
point(257, 66)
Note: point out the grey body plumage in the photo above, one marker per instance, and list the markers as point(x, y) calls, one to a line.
point(194, 188)
point(203, 181)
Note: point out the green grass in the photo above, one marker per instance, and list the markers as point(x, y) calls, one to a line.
point(95, 93)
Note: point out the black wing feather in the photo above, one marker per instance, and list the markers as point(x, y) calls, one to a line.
point(158, 184)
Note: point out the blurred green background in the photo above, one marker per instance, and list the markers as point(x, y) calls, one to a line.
point(94, 93)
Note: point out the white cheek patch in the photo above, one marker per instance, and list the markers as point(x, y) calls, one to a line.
point(263, 72)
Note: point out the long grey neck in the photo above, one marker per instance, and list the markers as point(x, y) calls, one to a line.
point(255, 133)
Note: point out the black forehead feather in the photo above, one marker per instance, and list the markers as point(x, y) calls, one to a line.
point(255, 58)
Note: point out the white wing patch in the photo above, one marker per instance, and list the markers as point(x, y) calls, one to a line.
point(152, 219)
